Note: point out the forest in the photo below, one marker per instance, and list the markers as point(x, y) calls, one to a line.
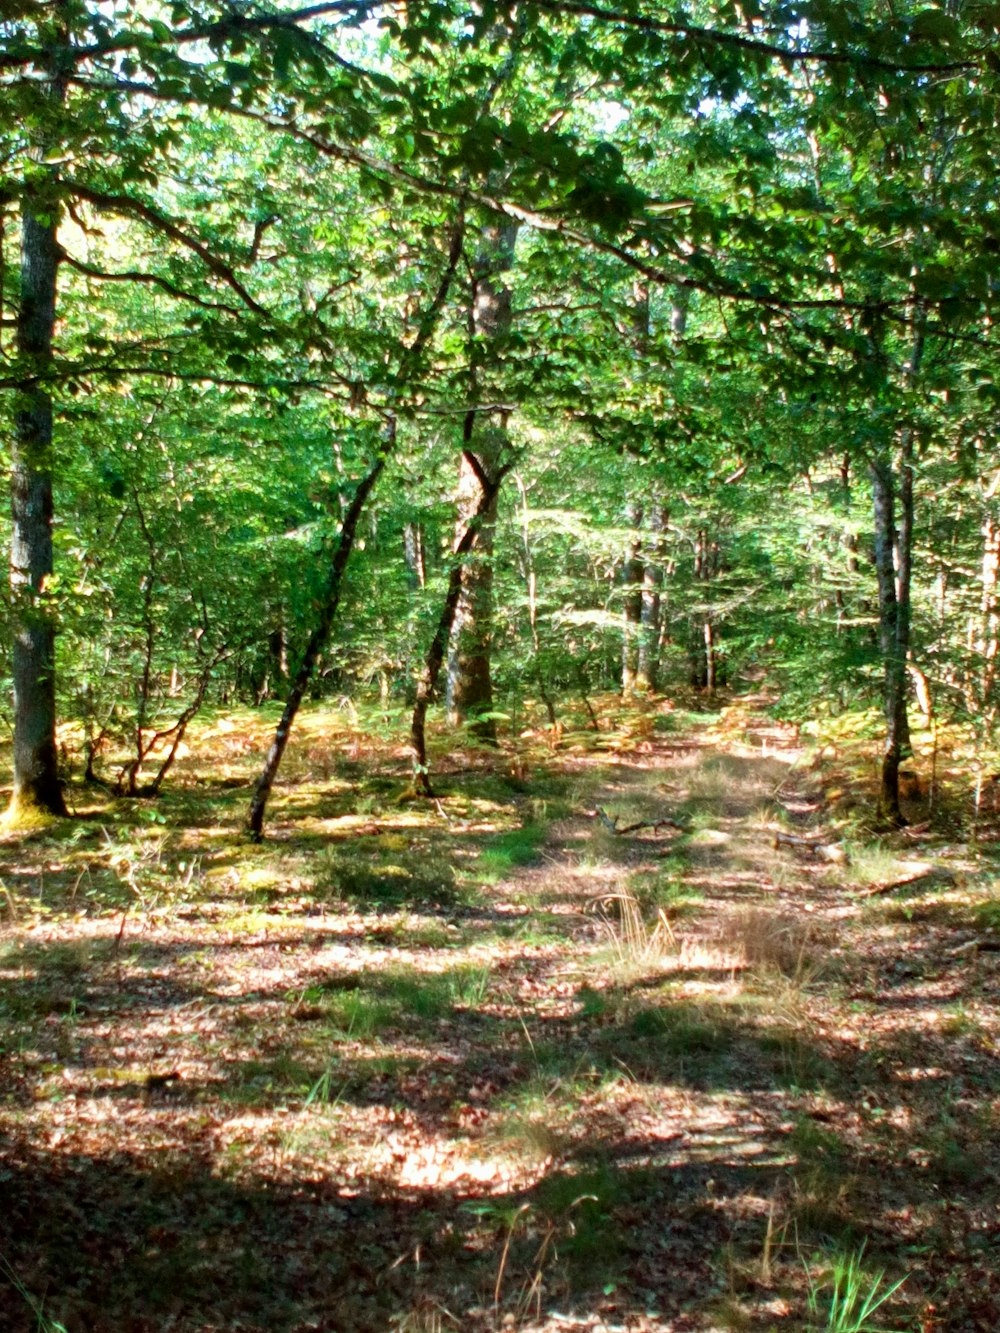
point(500, 666)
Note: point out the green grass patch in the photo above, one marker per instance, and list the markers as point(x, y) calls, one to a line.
point(356, 1008)
point(394, 880)
point(508, 851)
point(676, 1032)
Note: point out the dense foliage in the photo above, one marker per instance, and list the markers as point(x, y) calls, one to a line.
point(697, 284)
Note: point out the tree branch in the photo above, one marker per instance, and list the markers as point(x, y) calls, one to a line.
point(753, 45)
point(159, 221)
point(135, 275)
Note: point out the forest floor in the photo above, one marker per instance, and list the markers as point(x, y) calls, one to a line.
point(495, 1061)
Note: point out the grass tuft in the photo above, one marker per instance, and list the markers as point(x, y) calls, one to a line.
point(846, 1298)
point(635, 946)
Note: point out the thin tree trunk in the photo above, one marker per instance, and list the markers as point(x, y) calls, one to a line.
point(850, 540)
point(317, 641)
point(180, 727)
point(903, 560)
point(648, 670)
point(415, 554)
point(130, 775)
point(890, 639)
point(990, 632)
point(36, 778)
point(703, 638)
point(710, 661)
point(409, 361)
point(443, 633)
point(632, 578)
point(894, 570)
point(531, 581)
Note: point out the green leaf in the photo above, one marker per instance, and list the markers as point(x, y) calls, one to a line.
point(935, 25)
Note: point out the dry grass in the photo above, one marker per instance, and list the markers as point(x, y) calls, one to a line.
point(635, 946)
point(773, 942)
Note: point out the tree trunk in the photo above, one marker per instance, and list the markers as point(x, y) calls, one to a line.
point(903, 561)
point(632, 583)
point(469, 680)
point(36, 778)
point(648, 671)
point(703, 637)
point(894, 570)
point(445, 632)
point(409, 363)
point(531, 585)
point(989, 641)
point(317, 641)
point(414, 554)
point(893, 633)
point(469, 689)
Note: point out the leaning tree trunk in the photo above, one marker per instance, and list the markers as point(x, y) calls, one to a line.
point(317, 642)
point(36, 778)
point(410, 362)
point(469, 678)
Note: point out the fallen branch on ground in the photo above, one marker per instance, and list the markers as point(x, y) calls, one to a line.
point(611, 823)
point(919, 873)
point(976, 946)
point(826, 851)
point(916, 830)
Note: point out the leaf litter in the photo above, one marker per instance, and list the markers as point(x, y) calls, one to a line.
point(488, 1065)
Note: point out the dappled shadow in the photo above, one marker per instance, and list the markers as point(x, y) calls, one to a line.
point(390, 1102)
point(115, 1242)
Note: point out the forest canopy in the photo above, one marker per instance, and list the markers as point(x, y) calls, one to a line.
point(544, 347)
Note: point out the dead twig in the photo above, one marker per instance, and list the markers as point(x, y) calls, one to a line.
point(826, 851)
point(611, 823)
point(925, 872)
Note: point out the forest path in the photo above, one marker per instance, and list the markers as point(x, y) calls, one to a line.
point(485, 1063)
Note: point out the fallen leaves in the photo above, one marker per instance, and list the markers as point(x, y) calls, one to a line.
point(264, 1105)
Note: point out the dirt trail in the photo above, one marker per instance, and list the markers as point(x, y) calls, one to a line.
point(493, 1065)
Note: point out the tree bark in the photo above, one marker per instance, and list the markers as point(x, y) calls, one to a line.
point(444, 631)
point(37, 788)
point(469, 679)
point(632, 580)
point(469, 688)
point(414, 554)
point(893, 635)
point(648, 670)
point(989, 640)
point(894, 571)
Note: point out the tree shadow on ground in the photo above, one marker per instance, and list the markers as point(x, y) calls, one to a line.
point(121, 1243)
